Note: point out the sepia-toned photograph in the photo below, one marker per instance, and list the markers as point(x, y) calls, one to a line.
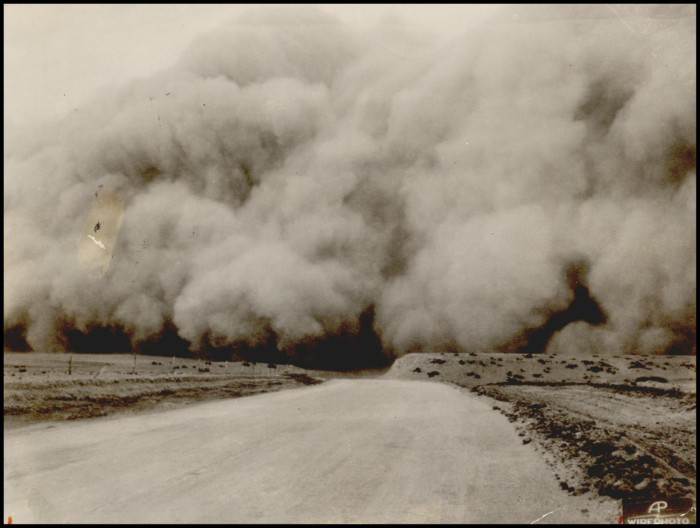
point(349, 263)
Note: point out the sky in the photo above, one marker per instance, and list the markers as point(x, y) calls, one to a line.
point(58, 56)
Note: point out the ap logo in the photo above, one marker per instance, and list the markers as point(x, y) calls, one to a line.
point(669, 511)
point(657, 507)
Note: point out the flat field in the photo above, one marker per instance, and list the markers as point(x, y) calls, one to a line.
point(45, 387)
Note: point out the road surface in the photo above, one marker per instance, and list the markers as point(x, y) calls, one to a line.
point(345, 451)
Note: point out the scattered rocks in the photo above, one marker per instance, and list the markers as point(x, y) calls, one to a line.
point(608, 461)
point(643, 484)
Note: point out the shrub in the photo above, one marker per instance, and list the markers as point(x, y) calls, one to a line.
point(652, 378)
point(637, 365)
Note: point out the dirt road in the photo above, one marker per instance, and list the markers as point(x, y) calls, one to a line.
point(345, 451)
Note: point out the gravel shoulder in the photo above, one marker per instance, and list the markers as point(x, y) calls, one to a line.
point(621, 427)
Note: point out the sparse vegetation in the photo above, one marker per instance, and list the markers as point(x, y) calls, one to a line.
point(102, 385)
point(302, 378)
point(617, 461)
point(658, 379)
point(569, 425)
point(638, 365)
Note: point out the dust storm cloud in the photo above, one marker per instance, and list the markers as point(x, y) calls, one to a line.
point(298, 184)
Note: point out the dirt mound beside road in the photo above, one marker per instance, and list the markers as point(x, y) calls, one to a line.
point(472, 369)
point(618, 426)
point(645, 450)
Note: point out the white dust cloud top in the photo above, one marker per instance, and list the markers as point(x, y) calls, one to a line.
point(289, 171)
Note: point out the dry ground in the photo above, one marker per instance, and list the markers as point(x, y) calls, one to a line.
point(38, 387)
point(621, 426)
point(614, 426)
point(346, 451)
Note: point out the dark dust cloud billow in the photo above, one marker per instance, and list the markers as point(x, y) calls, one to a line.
point(301, 189)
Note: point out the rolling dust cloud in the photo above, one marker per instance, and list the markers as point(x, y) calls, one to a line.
point(296, 187)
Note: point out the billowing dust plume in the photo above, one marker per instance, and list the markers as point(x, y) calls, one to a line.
point(301, 186)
